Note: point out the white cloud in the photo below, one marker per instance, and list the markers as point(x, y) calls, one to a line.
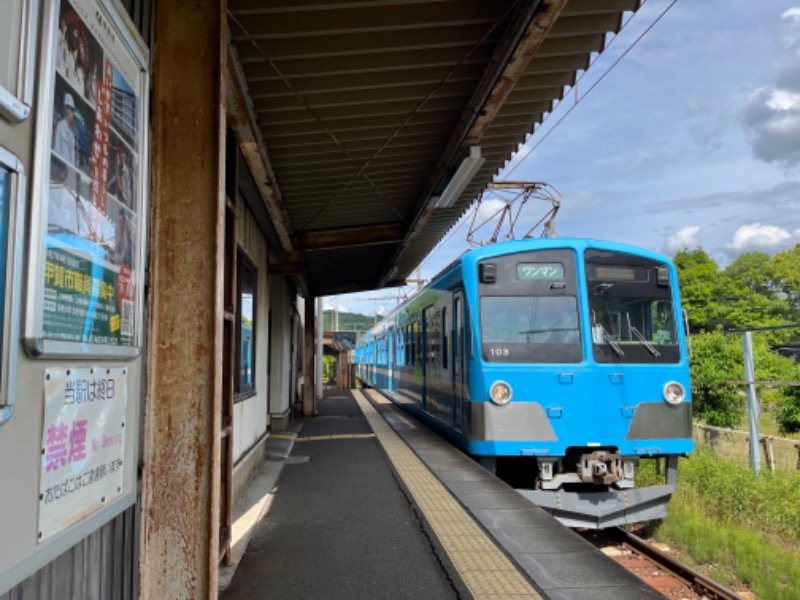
point(681, 239)
point(333, 303)
point(772, 119)
point(488, 208)
point(771, 116)
point(790, 29)
point(783, 100)
point(761, 237)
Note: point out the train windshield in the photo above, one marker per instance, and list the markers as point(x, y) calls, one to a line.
point(530, 329)
point(631, 310)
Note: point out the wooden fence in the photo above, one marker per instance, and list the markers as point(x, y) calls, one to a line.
point(776, 452)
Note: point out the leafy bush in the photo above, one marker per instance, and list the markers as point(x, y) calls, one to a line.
point(787, 413)
point(719, 358)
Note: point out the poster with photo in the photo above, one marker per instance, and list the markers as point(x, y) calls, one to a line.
point(87, 285)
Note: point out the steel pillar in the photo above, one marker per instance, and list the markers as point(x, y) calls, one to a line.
point(319, 352)
point(181, 456)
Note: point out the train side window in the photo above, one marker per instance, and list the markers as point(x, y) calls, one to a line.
point(412, 343)
point(419, 351)
point(456, 324)
point(407, 342)
point(444, 338)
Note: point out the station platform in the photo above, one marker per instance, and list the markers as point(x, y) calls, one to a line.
point(363, 501)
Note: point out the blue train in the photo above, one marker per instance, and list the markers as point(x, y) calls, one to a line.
point(556, 363)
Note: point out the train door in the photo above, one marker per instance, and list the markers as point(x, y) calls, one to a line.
point(458, 360)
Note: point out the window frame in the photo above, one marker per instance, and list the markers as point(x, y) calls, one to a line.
point(243, 261)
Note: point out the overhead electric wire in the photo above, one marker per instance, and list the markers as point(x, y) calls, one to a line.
point(574, 88)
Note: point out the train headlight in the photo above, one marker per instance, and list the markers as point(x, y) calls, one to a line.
point(674, 393)
point(500, 393)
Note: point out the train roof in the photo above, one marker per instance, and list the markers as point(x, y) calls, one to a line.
point(513, 246)
point(474, 255)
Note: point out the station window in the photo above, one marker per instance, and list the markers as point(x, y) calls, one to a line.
point(246, 321)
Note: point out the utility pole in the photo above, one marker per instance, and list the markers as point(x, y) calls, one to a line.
point(752, 401)
point(418, 280)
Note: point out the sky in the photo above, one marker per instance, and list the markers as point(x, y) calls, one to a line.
point(690, 137)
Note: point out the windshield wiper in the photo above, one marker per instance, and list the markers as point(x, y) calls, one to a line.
point(640, 337)
point(610, 341)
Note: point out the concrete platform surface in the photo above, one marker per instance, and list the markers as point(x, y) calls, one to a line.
point(366, 502)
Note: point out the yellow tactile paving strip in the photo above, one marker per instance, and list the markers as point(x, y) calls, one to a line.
point(341, 436)
point(482, 566)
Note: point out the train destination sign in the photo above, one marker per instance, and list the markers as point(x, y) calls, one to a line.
point(617, 273)
point(540, 271)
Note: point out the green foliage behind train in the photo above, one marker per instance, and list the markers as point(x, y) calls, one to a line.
point(756, 290)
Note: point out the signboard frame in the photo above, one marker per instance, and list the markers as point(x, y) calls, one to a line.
point(16, 97)
point(11, 237)
point(83, 300)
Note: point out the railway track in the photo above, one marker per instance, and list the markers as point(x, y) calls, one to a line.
point(660, 570)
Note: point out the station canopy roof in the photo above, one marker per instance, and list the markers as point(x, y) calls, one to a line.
point(355, 116)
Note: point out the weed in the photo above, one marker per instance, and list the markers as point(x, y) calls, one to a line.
point(746, 527)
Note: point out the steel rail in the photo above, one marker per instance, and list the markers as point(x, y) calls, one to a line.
point(689, 576)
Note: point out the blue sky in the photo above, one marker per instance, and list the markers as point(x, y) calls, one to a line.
point(692, 139)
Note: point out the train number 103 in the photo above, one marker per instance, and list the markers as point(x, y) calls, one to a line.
point(498, 351)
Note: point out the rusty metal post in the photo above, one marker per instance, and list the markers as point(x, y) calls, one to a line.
point(309, 385)
point(769, 453)
point(181, 456)
point(797, 447)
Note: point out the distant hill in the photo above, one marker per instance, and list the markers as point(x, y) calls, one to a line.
point(348, 321)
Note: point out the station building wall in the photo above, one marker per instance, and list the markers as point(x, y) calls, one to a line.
point(251, 408)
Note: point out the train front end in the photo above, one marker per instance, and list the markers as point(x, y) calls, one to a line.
point(580, 371)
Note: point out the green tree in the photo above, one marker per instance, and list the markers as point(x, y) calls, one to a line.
point(717, 359)
point(754, 291)
point(752, 298)
point(786, 279)
point(787, 413)
point(698, 275)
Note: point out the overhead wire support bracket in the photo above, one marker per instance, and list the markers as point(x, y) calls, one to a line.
point(515, 195)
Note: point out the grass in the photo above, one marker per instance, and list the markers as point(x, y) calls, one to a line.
point(744, 529)
point(734, 555)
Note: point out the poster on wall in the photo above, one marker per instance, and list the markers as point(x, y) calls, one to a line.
point(83, 444)
point(87, 278)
